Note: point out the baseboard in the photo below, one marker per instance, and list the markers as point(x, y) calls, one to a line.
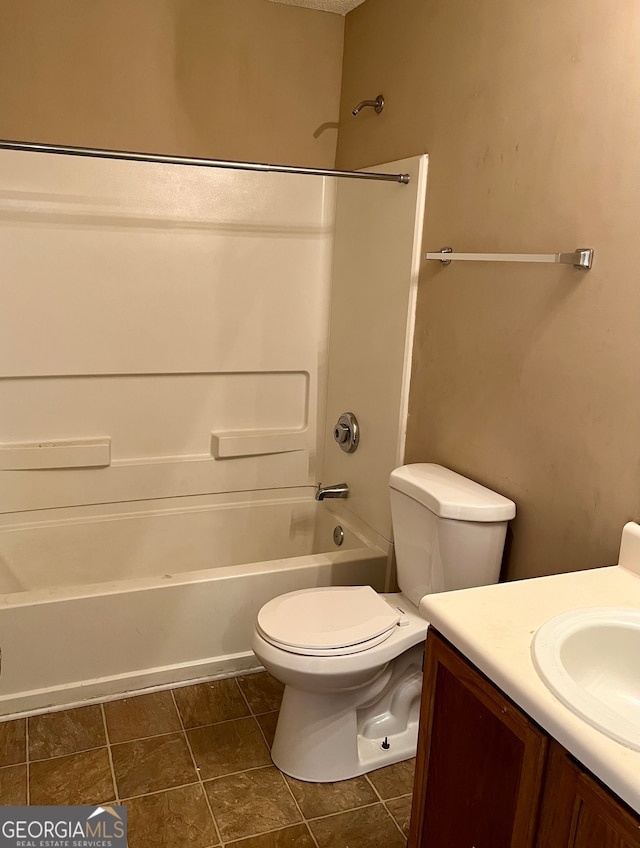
point(20, 704)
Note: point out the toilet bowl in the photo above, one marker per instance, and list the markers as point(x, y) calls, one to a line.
point(350, 658)
point(338, 707)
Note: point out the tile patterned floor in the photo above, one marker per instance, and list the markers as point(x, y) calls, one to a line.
point(193, 767)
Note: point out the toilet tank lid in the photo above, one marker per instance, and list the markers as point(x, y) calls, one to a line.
point(450, 495)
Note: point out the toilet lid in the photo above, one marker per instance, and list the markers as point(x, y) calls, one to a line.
point(327, 618)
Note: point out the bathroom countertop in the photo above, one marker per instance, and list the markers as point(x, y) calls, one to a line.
point(493, 627)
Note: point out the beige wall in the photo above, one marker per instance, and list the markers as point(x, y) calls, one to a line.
point(229, 79)
point(526, 378)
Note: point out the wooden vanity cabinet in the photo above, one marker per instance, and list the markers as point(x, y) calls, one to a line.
point(479, 764)
point(489, 777)
point(577, 812)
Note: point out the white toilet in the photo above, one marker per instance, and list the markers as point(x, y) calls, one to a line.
point(350, 658)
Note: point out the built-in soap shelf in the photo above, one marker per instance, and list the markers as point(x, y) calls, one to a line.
point(229, 444)
point(65, 453)
point(96, 453)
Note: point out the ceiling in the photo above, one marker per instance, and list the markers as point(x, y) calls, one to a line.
point(339, 7)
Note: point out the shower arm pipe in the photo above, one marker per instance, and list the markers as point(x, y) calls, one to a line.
point(130, 156)
point(377, 105)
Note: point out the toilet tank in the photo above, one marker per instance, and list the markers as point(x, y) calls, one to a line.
point(448, 531)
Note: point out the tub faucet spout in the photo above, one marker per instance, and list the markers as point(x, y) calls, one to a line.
point(339, 490)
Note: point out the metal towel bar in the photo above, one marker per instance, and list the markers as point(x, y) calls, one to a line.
point(580, 258)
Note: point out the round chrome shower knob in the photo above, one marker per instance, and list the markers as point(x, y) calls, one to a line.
point(346, 432)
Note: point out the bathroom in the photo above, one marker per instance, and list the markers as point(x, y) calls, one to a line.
point(523, 378)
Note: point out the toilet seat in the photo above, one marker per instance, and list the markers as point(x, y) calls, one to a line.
point(327, 621)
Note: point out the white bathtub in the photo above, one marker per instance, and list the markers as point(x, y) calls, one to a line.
point(99, 601)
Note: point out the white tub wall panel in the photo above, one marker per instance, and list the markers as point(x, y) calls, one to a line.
point(375, 276)
point(164, 540)
point(156, 290)
point(53, 654)
point(128, 301)
point(43, 187)
point(337, 512)
point(155, 304)
point(161, 434)
point(155, 415)
point(116, 511)
point(48, 555)
point(20, 490)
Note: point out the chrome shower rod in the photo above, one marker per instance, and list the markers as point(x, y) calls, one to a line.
point(130, 156)
point(580, 258)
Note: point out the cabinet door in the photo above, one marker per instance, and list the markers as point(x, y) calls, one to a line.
point(578, 813)
point(480, 760)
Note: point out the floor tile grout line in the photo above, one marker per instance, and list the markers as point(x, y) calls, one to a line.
point(266, 741)
point(370, 782)
point(363, 807)
point(177, 731)
point(246, 700)
point(342, 812)
point(202, 726)
point(393, 819)
point(109, 753)
point(195, 765)
point(264, 735)
point(260, 833)
point(396, 797)
point(27, 761)
point(265, 833)
point(181, 729)
point(71, 754)
point(298, 807)
point(384, 804)
point(194, 782)
point(253, 712)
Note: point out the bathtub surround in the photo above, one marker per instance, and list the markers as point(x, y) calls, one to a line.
point(373, 301)
point(164, 356)
point(193, 765)
point(160, 307)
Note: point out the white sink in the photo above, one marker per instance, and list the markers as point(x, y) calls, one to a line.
point(590, 659)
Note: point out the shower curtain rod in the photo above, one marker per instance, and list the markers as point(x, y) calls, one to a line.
point(202, 163)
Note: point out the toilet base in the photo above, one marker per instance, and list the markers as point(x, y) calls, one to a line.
point(322, 738)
